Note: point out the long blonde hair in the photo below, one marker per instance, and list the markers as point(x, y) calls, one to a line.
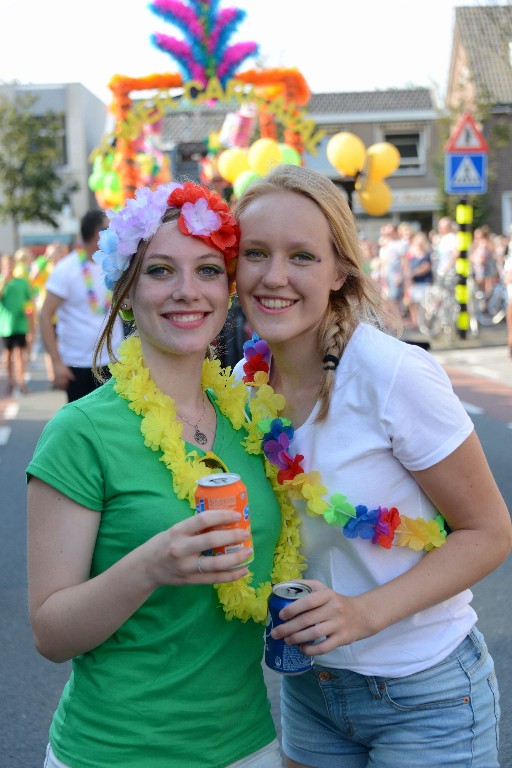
point(359, 298)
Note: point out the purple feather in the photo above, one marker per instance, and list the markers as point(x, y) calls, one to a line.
point(181, 15)
point(234, 56)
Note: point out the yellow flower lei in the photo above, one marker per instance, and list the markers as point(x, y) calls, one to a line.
point(162, 431)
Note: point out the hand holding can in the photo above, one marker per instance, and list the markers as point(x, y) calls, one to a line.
point(226, 491)
point(280, 656)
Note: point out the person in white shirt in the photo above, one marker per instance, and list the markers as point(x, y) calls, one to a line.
point(446, 251)
point(76, 294)
point(399, 511)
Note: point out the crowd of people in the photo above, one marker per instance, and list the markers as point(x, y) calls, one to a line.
point(22, 290)
point(405, 261)
point(55, 302)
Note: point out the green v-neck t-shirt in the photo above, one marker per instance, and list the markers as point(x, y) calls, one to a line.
point(177, 685)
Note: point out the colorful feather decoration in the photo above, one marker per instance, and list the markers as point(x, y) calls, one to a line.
point(206, 51)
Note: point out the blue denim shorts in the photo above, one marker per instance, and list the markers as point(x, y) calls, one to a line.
point(444, 716)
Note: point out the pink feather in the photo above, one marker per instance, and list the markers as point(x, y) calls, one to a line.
point(233, 56)
point(172, 10)
point(224, 17)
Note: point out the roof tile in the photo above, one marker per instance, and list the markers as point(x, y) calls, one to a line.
point(485, 34)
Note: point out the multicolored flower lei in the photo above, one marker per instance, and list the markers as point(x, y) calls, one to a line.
point(89, 287)
point(204, 214)
point(162, 431)
point(383, 526)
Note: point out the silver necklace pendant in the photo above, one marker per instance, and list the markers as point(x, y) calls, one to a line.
point(200, 437)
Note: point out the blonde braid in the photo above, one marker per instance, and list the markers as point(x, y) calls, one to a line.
point(332, 339)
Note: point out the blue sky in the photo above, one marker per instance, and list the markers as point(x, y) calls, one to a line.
point(337, 45)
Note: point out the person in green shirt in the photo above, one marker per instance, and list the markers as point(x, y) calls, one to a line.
point(15, 298)
point(166, 641)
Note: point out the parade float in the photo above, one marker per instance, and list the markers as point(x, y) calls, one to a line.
point(263, 121)
point(266, 122)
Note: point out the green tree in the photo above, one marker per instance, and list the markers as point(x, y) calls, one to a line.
point(31, 156)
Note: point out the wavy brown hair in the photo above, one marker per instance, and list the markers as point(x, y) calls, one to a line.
point(359, 299)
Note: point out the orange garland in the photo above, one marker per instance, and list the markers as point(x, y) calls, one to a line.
point(268, 127)
point(272, 83)
point(291, 81)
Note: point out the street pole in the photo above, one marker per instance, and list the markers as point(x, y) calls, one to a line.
point(464, 218)
point(349, 185)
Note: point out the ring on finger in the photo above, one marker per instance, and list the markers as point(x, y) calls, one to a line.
point(200, 570)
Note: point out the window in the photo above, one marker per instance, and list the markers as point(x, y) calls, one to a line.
point(411, 148)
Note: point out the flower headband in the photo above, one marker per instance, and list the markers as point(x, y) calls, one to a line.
point(204, 214)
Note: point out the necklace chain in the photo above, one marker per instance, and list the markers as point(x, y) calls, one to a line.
point(199, 436)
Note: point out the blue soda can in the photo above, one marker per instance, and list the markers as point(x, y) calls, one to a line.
point(283, 658)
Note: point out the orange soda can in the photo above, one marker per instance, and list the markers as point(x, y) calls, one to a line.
point(226, 491)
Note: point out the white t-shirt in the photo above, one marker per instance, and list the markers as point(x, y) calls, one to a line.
point(445, 249)
point(392, 410)
point(78, 326)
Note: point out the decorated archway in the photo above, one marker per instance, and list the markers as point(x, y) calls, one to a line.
point(270, 101)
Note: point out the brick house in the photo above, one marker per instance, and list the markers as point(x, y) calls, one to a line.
point(480, 82)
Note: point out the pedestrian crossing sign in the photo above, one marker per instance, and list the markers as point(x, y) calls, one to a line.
point(465, 173)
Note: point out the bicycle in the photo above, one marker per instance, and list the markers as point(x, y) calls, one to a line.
point(491, 309)
point(437, 313)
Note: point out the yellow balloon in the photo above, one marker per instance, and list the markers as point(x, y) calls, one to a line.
point(382, 159)
point(346, 152)
point(263, 155)
point(232, 162)
point(375, 198)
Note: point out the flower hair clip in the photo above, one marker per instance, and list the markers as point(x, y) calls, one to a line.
point(204, 214)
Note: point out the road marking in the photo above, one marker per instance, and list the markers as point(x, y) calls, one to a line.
point(5, 433)
point(480, 370)
point(470, 408)
point(11, 411)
